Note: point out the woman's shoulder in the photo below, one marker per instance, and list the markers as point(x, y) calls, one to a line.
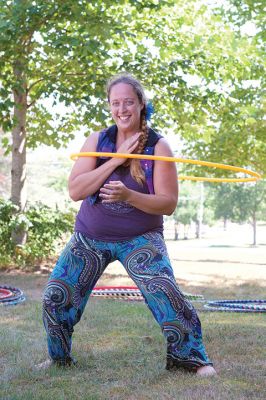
point(163, 148)
point(99, 135)
point(153, 137)
point(110, 131)
point(92, 139)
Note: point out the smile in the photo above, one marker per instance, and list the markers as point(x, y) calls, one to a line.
point(125, 118)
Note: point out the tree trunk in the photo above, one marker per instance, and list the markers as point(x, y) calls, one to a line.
point(200, 212)
point(18, 169)
point(254, 225)
point(225, 223)
point(197, 232)
point(176, 231)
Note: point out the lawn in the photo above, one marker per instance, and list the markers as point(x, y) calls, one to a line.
point(120, 348)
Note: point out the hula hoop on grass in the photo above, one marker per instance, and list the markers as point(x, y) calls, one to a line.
point(255, 175)
point(255, 306)
point(128, 293)
point(11, 296)
point(132, 293)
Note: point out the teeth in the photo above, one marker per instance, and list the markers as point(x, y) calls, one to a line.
point(124, 118)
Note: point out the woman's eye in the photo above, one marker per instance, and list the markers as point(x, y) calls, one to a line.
point(115, 104)
point(129, 103)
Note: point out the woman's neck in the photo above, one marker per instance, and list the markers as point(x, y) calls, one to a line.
point(123, 135)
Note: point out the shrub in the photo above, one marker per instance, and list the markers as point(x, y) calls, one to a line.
point(45, 228)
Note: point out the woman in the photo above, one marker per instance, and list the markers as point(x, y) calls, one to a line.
point(121, 218)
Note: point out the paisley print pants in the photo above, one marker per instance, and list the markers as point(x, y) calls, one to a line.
point(146, 260)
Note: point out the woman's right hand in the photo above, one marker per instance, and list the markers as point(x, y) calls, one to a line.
point(128, 147)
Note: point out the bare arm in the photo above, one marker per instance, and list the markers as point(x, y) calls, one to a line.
point(164, 200)
point(85, 179)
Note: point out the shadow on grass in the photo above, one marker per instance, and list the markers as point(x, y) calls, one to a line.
point(225, 246)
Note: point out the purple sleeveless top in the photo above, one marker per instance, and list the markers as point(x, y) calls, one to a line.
point(116, 221)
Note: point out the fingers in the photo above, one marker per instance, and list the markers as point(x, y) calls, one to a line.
point(133, 146)
point(110, 192)
point(107, 195)
point(135, 139)
point(130, 144)
point(113, 191)
point(112, 184)
point(136, 142)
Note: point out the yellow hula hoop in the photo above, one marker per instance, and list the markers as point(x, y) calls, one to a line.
point(255, 175)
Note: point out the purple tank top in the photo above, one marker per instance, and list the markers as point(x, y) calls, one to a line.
point(117, 221)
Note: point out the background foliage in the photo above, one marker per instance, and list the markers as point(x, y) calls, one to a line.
point(202, 63)
point(45, 228)
point(202, 69)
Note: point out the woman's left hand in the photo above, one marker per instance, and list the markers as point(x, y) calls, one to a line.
point(114, 191)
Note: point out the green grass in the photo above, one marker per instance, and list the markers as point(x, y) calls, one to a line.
point(121, 351)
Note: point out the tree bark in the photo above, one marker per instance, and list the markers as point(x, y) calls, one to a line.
point(254, 225)
point(200, 212)
point(176, 231)
point(197, 232)
point(18, 169)
point(225, 223)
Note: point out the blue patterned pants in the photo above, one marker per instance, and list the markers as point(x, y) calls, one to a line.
point(146, 260)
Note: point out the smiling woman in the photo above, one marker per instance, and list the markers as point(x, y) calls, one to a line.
point(121, 218)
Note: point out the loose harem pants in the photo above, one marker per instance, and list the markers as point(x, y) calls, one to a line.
point(145, 258)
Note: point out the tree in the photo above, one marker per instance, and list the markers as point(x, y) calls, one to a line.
point(241, 203)
point(62, 52)
point(250, 205)
point(184, 214)
point(190, 208)
point(222, 201)
point(235, 131)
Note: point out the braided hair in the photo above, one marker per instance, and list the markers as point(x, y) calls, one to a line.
point(135, 167)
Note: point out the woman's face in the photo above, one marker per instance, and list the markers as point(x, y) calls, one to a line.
point(125, 107)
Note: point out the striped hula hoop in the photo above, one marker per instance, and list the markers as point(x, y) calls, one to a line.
point(255, 306)
point(11, 296)
point(132, 293)
point(128, 293)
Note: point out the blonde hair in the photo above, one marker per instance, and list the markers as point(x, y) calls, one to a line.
point(135, 167)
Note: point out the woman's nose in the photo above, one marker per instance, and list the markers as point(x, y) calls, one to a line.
point(122, 107)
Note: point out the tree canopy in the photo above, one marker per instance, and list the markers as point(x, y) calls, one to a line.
point(203, 72)
point(192, 58)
